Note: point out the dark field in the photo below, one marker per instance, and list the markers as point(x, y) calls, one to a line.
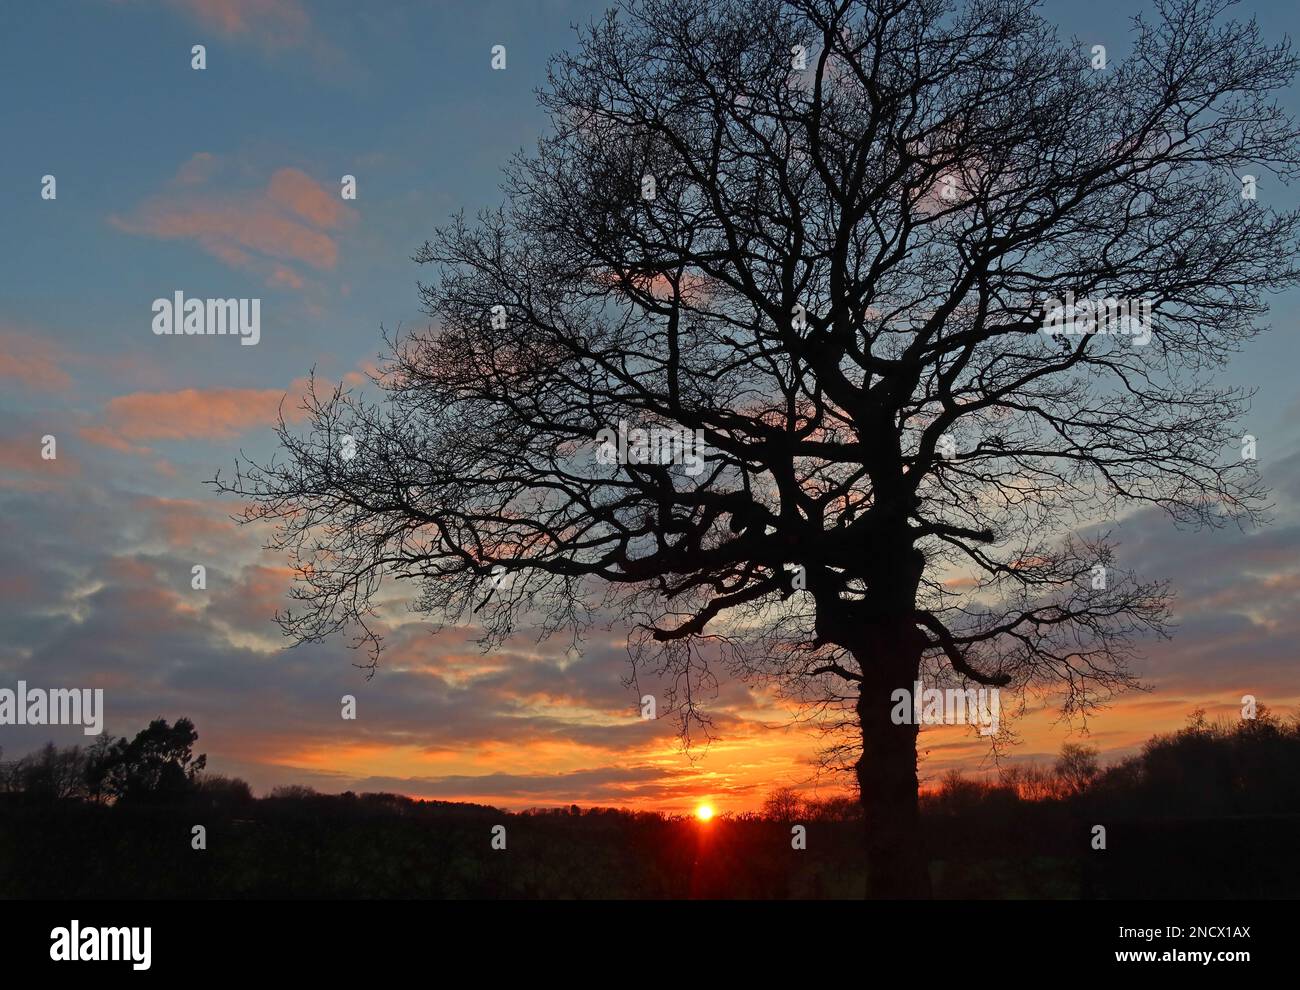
point(374, 847)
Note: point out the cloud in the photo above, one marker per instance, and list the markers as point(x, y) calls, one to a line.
point(20, 454)
point(301, 194)
point(126, 422)
point(187, 523)
point(34, 361)
point(116, 609)
point(37, 360)
point(293, 219)
point(202, 165)
point(96, 580)
point(273, 24)
point(600, 783)
point(187, 414)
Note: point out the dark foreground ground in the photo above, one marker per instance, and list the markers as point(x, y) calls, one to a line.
point(367, 847)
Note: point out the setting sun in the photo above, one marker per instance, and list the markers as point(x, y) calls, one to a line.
point(704, 812)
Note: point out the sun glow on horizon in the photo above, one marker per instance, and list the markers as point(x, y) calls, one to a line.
point(704, 812)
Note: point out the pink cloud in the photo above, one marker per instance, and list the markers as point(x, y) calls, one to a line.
point(36, 358)
point(105, 437)
point(21, 455)
point(33, 360)
point(197, 170)
point(252, 599)
point(196, 414)
point(187, 522)
point(187, 414)
point(300, 193)
point(271, 23)
point(285, 277)
point(291, 220)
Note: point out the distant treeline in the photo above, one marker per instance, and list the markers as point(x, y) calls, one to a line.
point(1209, 811)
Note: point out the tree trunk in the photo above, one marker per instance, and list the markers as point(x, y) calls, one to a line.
point(897, 862)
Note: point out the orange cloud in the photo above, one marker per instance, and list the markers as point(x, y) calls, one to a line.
point(36, 358)
point(186, 522)
point(197, 170)
point(286, 277)
point(272, 23)
point(300, 193)
point(253, 230)
point(196, 414)
point(36, 362)
point(188, 414)
point(22, 456)
point(105, 437)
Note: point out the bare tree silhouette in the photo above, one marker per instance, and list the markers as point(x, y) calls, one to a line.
point(784, 805)
point(823, 234)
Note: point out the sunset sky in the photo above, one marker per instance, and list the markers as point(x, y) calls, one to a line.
point(225, 183)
